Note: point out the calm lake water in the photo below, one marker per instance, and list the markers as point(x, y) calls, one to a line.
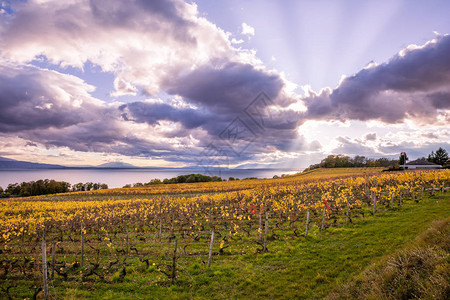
point(119, 177)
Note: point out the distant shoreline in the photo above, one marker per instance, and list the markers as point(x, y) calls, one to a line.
point(118, 177)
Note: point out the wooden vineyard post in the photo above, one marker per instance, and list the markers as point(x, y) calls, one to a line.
point(174, 261)
point(82, 245)
point(44, 267)
point(307, 222)
point(347, 214)
point(414, 195)
point(53, 260)
point(323, 217)
point(374, 199)
point(211, 248)
point(266, 230)
point(400, 199)
point(432, 190)
point(421, 193)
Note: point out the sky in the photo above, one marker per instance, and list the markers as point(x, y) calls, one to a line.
point(222, 83)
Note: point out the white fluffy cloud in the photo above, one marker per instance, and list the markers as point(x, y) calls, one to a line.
point(32, 98)
point(247, 29)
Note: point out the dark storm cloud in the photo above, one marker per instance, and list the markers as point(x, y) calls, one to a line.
point(277, 133)
point(412, 84)
point(30, 99)
point(185, 119)
point(226, 92)
point(440, 100)
point(152, 113)
point(221, 95)
point(56, 110)
point(227, 89)
point(96, 136)
point(102, 136)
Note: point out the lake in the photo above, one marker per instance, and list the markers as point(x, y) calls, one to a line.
point(115, 178)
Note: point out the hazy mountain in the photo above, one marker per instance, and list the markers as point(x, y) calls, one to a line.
point(5, 159)
point(253, 166)
point(7, 163)
point(117, 164)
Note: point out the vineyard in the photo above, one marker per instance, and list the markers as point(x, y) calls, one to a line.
point(168, 235)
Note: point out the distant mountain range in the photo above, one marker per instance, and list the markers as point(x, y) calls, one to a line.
point(6, 163)
point(11, 164)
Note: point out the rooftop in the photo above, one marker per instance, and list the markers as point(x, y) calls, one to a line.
point(421, 162)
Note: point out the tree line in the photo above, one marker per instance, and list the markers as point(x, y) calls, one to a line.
point(190, 178)
point(344, 161)
point(47, 186)
point(439, 157)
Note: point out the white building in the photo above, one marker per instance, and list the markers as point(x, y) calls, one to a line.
point(421, 164)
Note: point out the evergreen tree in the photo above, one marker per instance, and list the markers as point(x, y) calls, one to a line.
point(440, 157)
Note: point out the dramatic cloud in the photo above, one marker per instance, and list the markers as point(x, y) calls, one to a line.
point(152, 113)
point(220, 95)
point(31, 98)
point(228, 89)
point(152, 47)
point(55, 110)
point(142, 42)
point(413, 85)
point(155, 47)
